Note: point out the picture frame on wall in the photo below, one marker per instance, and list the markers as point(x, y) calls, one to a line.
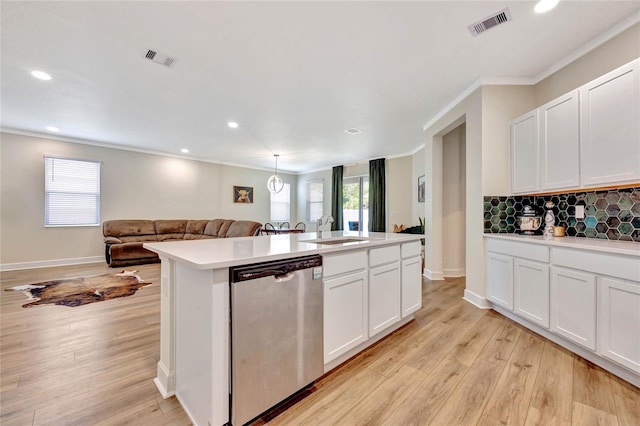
point(421, 189)
point(243, 194)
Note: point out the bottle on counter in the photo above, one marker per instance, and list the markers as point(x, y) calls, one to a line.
point(549, 220)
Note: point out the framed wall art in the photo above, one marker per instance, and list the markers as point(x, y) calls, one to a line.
point(421, 189)
point(243, 194)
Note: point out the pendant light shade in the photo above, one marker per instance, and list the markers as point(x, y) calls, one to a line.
point(275, 182)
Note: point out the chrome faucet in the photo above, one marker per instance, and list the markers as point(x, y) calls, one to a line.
point(323, 222)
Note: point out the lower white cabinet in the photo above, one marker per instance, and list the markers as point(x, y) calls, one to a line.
point(573, 306)
point(384, 297)
point(345, 313)
point(531, 290)
point(619, 322)
point(499, 279)
point(411, 285)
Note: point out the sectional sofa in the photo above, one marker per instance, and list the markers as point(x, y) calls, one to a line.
point(124, 238)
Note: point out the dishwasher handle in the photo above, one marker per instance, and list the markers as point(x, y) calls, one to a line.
point(284, 278)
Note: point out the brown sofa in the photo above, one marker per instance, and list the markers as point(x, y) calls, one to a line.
point(124, 238)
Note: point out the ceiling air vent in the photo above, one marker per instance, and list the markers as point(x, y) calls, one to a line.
point(159, 58)
point(353, 131)
point(489, 22)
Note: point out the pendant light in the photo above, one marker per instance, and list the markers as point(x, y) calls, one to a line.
point(275, 182)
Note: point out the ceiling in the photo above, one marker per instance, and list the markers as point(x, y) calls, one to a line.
point(294, 75)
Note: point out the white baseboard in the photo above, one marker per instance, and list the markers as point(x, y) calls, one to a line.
point(48, 263)
point(476, 300)
point(165, 381)
point(432, 275)
point(454, 272)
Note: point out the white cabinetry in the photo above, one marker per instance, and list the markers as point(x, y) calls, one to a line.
point(499, 279)
point(531, 290)
point(588, 137)
point(619, 322)
point(384, 288)
point(524, 154)
point(573, 306)
point(559, 140)
point(411, 291)
point(610, 129)
point(345, 303)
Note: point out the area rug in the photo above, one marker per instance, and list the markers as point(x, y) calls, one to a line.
point(81, 291)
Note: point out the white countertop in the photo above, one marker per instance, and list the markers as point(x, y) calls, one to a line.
point(225, 252)
point(629, 248)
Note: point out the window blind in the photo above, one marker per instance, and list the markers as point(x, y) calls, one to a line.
point(315, 189)
point(280, 204)
point(71, 192)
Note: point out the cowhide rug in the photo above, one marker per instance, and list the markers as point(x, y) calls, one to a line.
point(81, 291)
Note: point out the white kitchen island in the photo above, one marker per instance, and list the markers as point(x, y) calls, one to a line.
point(379, 272)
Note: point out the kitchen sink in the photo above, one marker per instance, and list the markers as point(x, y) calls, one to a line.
point(338, 240)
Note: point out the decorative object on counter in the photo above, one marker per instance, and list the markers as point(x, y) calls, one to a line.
point(243, 194)
point(398, 228)
point(549, 220)
point(74, 292)
point(421, 189)
point(612, 214)
point(558, 231)
point(275, 182)
point(415, 229)
point(529, 223)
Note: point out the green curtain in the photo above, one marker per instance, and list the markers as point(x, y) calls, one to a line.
point(337, 198)
point(377, 208)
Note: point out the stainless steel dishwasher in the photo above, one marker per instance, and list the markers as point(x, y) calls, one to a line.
point(276, 333)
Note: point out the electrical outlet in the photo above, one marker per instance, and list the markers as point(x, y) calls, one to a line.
point(579, 212)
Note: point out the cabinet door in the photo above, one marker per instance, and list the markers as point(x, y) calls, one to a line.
point(619, 322)
point(560, 143)
point(499, 279)
point(345, 314)
point(531, 291)
point(384, 297)
point(573, 306)
point(610, 133)
point(524, 154)
point(411, 285)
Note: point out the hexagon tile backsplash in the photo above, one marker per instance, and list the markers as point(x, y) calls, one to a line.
point(610, 214)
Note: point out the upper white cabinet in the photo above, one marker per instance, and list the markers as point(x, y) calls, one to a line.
point(524, 154)
point(559, 139)
point(588, 137)
point(610, 127)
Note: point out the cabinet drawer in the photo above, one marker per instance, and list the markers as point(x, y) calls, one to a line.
point(536, 252)
point(343, 263)
point(384, 255)
point(410, 249)
point(614, 265)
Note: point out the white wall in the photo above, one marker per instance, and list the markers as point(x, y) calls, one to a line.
point(133, 186)
point(453, 199)
point(417, 170)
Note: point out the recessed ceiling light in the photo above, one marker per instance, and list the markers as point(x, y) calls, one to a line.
point(232, 124)
point(41, 75)
point(545, 5)
point(353, 131)
point(184, 151)
point(52, 129)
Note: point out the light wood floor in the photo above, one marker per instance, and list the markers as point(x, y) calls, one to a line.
point(454, 365)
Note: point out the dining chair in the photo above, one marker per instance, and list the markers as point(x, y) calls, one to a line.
point(268, 229)
point(284, 225)
point(301, 225)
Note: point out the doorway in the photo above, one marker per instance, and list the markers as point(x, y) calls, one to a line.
point(454, 201)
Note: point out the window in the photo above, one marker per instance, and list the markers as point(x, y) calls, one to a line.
point(71, 192)
point(280, 204)
point(355, 207)
point(315, 190)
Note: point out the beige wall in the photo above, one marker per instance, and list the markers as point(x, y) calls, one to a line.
point(133, 185)
point(417, 170)
point(610, 55)
point(401, 189)
point(453, 198)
